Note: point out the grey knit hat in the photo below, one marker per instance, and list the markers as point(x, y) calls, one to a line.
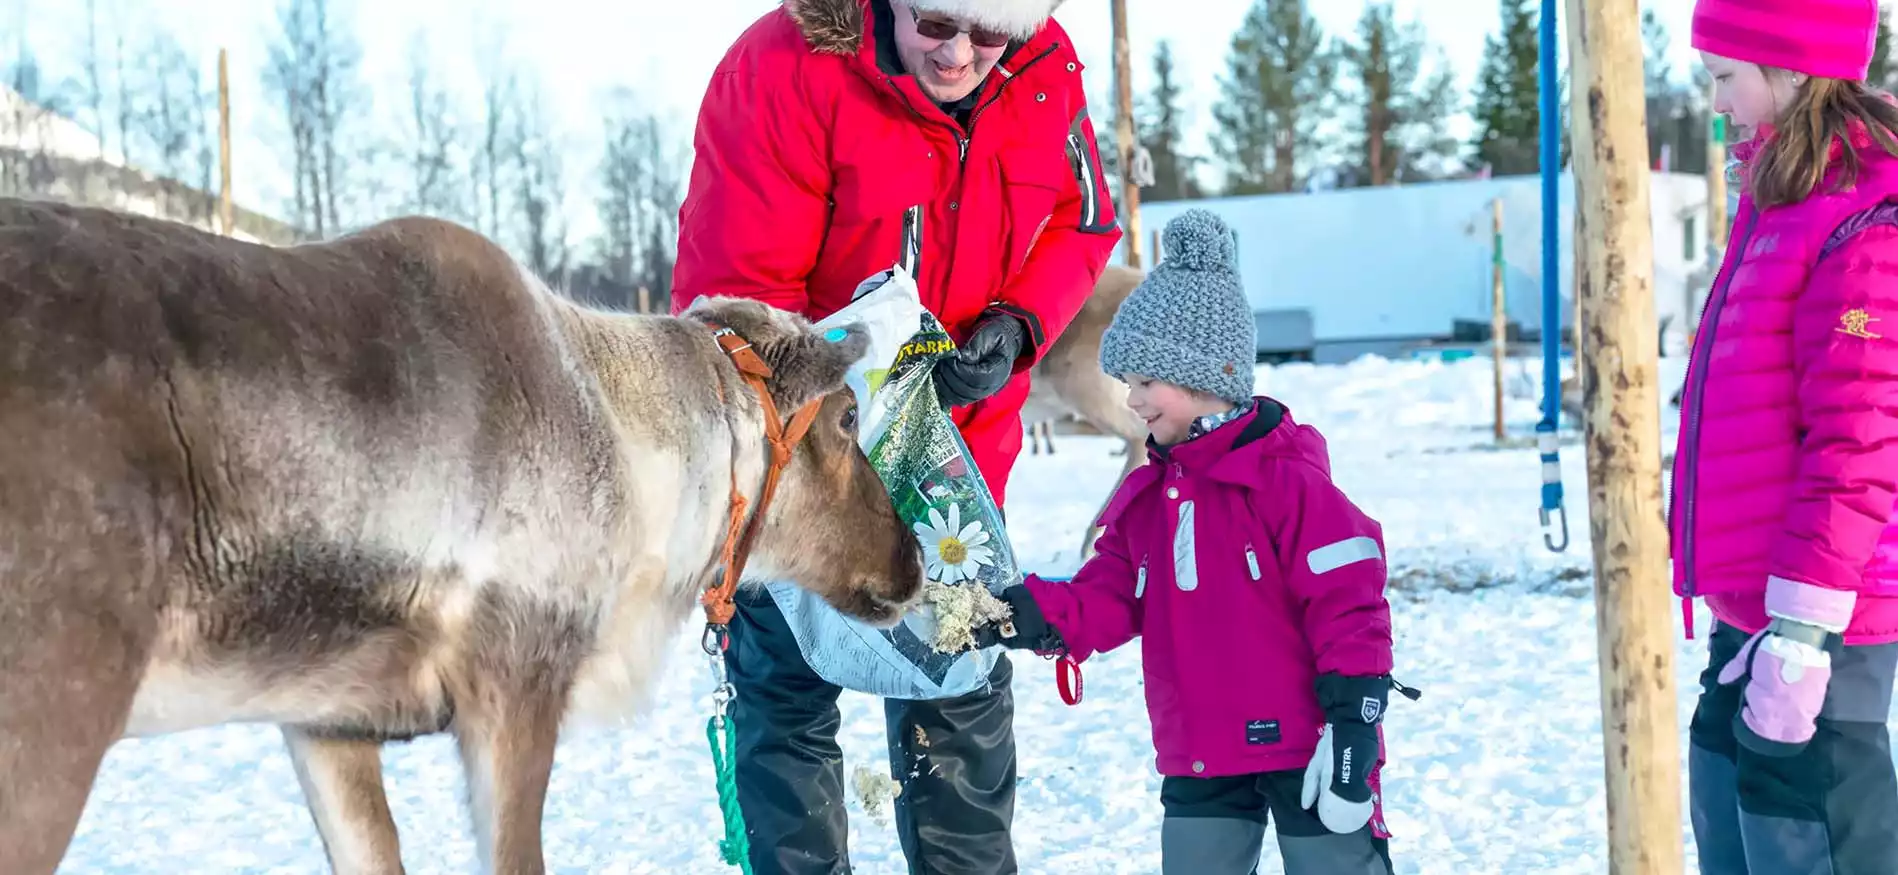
point(1188, 323)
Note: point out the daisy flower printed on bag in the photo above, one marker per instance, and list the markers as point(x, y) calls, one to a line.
point(954, 552)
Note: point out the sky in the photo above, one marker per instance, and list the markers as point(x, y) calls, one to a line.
point(582, 50)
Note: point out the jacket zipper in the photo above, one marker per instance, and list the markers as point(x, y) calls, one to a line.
point(1709, 323)
point(962, 142)
point(962, 139)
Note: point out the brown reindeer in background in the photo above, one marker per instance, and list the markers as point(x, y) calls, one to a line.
point(1068, 383)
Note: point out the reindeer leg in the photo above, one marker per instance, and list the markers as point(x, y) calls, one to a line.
point(66, 687)
point(507, 722)
point(509, 759)
point(342, 784)
point(78, 612)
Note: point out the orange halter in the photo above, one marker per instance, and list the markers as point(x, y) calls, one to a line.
point(741, 533)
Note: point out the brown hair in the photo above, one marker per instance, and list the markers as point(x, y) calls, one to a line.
point(1795, 161)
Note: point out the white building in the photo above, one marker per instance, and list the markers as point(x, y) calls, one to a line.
point(44, 154)
point(1388, 270)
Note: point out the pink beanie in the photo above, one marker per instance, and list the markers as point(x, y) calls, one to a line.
point(1830, 39)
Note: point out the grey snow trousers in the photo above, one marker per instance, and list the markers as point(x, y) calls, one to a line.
point(1830, 810)
point(1216, 826)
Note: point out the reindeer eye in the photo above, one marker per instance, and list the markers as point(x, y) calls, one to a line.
point(850, 419)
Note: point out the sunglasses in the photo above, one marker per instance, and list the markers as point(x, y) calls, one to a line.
point(937, 29)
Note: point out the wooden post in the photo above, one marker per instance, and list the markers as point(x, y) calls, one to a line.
point(1125, 135)
point(1634, 613)
point(1575, 289)
point(226, 219)
point(1499, 315)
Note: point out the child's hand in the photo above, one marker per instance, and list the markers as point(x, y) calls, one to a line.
point(1338, 779)
point(1025, 629)
point(1786, 667)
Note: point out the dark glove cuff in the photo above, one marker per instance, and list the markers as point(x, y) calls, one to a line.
point(1031, 629)
point(1031, 335)
point(1353, 698)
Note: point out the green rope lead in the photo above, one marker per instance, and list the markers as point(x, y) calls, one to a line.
point(734, 848)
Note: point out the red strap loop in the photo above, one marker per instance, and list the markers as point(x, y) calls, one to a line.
point(1070, 692)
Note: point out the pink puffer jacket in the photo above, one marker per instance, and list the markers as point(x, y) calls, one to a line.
point(1787, 464)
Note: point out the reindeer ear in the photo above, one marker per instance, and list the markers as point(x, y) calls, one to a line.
point(811, 363)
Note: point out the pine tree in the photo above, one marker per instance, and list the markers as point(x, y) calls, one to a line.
point(1507, 115)
point(1279, 73)
point(1399, 115)
point(1161, 132)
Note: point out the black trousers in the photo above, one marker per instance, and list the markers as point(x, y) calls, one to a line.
point(1216, 826)
point(1830, 810)
point(954, 758)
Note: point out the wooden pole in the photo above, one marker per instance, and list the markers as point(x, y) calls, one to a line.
point(1633, 610)
point(1124, 133)
point(226, 219)
point(1498, 317)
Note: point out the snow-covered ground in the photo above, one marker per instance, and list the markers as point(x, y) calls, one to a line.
point(1497, 770)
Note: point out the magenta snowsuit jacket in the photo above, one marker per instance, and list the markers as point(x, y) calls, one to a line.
point(1787, 462)
point(1246, 574)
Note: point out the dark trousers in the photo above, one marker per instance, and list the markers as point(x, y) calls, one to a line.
point(954, 758)
point(1216, 826)
point(1830, 810)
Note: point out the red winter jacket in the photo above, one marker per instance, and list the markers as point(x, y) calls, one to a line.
point(1247, 574)
point(1787, 463)
point(815, 169)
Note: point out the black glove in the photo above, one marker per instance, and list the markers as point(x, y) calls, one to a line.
point(1338, 778)
point(983, 363)
point(1025, 629)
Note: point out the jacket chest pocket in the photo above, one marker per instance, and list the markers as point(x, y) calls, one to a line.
point(882, 170)
point(1228, 556)
point(1032, 185)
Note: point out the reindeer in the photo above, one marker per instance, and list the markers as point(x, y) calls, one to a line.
point(379, 487)
point(1068, 382)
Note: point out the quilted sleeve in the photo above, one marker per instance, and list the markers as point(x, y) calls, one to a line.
point(1845, 358)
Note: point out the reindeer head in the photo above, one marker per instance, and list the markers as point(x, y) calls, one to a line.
point(831, 528)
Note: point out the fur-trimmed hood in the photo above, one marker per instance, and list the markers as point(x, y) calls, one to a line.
point(837, 26)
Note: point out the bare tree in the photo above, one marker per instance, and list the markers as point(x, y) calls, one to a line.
point(539, 190)
point(203, 112)
point(662, 198)
point(95, 79)
point(622, 180)
point(171, 121)
point(312, 69)
point(127, 109)
point(498, 108)
point(433, 135)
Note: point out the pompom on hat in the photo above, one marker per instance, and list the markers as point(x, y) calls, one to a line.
point(1829, 39)
point(1188, 323)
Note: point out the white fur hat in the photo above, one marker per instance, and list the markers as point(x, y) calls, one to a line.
point(1018, 18)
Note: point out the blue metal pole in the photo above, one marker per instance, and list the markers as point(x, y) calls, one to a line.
point(1551, 131)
